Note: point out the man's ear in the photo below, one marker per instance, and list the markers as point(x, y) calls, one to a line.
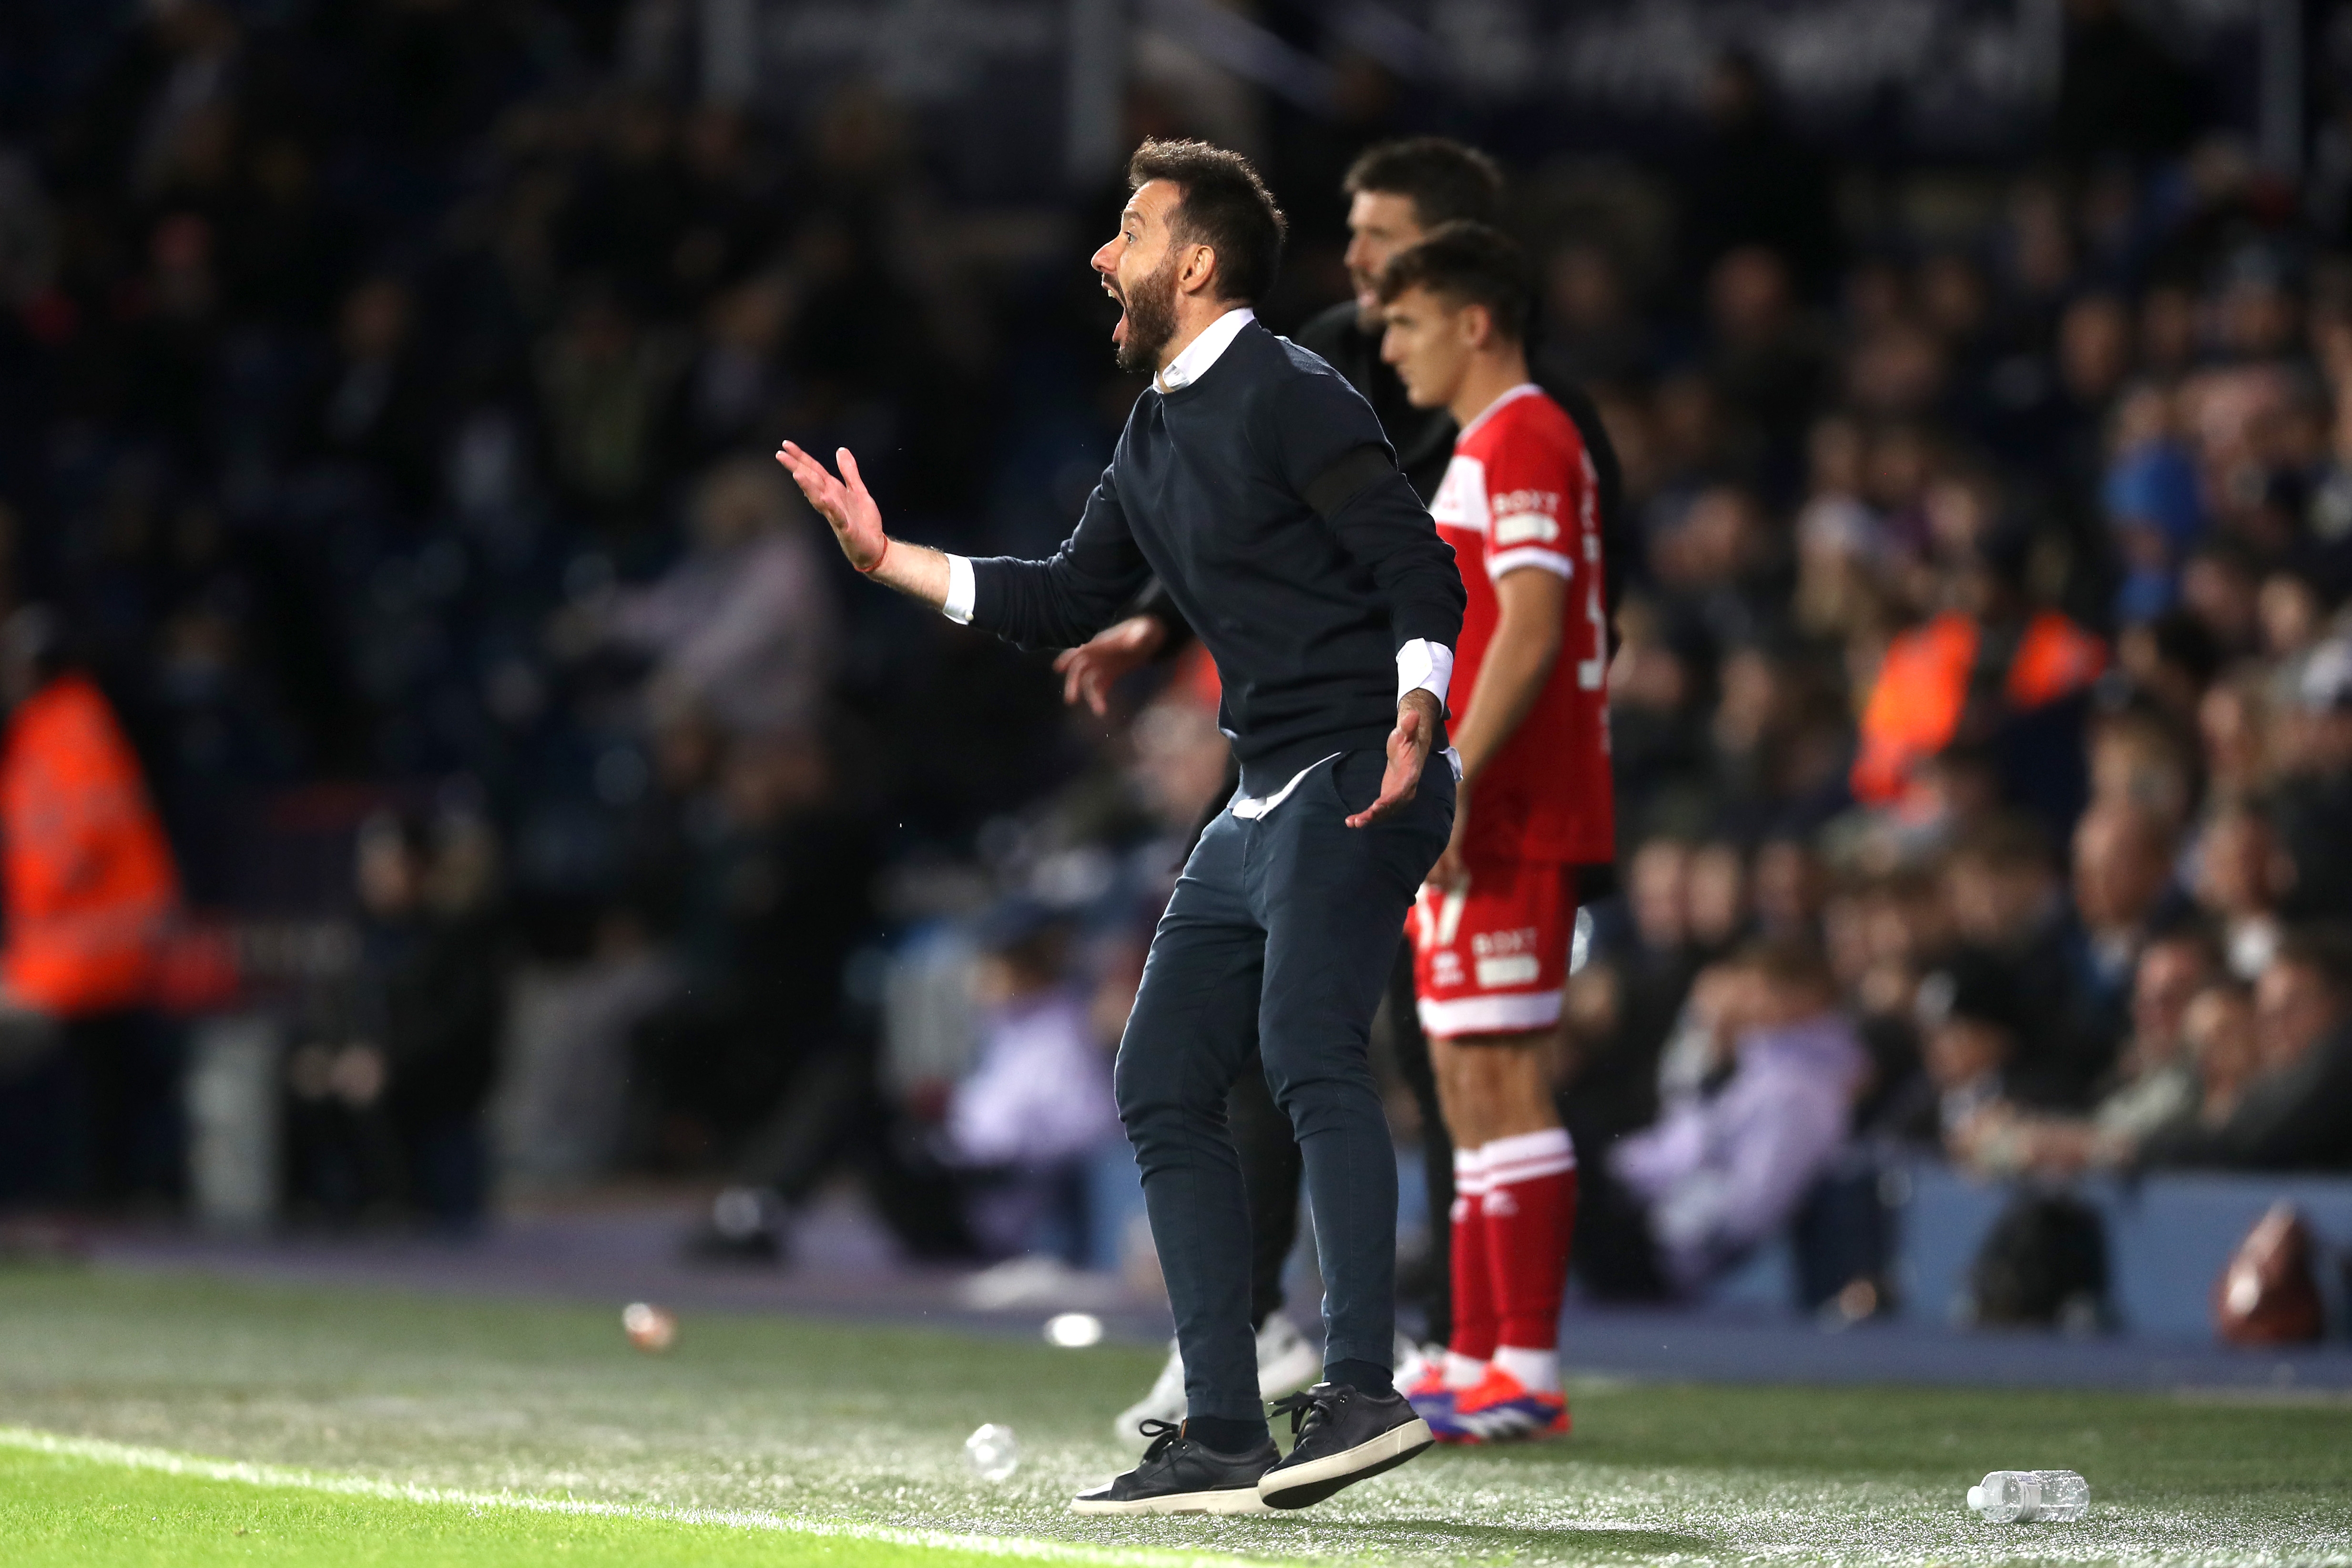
point(1478, 326)
point(1198, 274)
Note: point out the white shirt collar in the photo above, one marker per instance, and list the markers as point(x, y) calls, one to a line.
point(1203, 350)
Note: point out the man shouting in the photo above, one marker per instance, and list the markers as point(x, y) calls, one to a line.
point(1255, 484)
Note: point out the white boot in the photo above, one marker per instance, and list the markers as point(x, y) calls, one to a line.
point(1286, 1362)
point(1411, 1362)
point(1164, 1402)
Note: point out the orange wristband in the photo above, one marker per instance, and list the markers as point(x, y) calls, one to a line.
point(870, 570)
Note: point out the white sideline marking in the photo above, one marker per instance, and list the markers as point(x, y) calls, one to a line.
point(129, 1457)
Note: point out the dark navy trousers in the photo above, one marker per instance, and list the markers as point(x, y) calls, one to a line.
point(1278, 939)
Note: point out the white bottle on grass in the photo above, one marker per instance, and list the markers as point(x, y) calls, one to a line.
point(2031, 1496)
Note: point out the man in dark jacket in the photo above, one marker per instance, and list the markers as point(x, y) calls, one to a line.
point(1254, 484)
point(1397, 193)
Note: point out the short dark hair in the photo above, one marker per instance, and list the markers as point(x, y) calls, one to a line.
point(1224, 205)
point(1789, 963)
point(2010, 842)
point(1469, 263)
point(1446, 181)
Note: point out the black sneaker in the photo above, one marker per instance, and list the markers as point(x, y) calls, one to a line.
point(1180, 1475)
point(1343, 1435)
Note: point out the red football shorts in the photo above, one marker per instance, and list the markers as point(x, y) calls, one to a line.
point(1492, 958)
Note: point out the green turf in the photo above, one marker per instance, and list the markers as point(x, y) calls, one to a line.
point(65, 1512)
point(864, 1426)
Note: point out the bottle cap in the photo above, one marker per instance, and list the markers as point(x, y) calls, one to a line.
point(1976, 1499)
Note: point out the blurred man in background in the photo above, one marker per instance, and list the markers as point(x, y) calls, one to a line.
point(1989, 669)
point(90, 892)
point(388, 1098)
point(1492, 928)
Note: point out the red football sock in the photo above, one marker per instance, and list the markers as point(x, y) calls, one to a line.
point(1473, 1273)
point(1530, 1213)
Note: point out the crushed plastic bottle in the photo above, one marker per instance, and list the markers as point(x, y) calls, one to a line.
point(2031, 1496)
point(994, 1452)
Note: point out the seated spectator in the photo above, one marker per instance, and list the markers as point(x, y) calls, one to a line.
point(2297, 1113)
point(1983, 1048)
point(1037, 1102)
point(2170, 661)
point(2007, 900)
point(1789, 889)
point(2242, 875)
point(2312, 805)
point(1726, 1167)
point(1717, 897)
point(2223, 1037)
point(743, 628)
point(2235, 719)
point(2157, 1079)
point(2123, 892)
point(2150, 496)
point(388, 1098)
point(2140, 757)
point(1622, 1007)
point(773, 895)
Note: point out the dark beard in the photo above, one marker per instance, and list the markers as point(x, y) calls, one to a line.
point(1151, 320)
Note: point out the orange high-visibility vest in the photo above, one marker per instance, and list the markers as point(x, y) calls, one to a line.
point(90, 883)
point(1923, 686)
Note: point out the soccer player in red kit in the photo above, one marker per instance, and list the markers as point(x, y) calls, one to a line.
point(1495, 922)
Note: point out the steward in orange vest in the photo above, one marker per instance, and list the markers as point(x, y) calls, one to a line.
point(1964, 677)
point(90, 889)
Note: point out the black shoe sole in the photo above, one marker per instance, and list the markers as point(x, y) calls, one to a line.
point(1308, 1484)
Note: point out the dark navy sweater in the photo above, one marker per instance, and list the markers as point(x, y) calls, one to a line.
point(1304, 604)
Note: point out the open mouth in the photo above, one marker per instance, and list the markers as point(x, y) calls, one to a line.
point(1118, 329)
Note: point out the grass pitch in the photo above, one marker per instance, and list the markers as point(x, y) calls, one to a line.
point(151, 1418)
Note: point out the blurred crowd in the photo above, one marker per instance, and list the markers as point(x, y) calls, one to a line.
point(389, 387)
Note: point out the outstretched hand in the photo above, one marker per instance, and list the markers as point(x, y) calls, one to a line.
point(843, 503)
point(1089, 671)
point(1418, 717)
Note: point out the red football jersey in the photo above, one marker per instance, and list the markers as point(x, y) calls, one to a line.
point(1520, 495)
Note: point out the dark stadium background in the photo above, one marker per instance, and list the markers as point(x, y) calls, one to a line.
point(366, 366)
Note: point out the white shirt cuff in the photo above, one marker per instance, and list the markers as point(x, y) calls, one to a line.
point(962, 591)
point(1422, 664)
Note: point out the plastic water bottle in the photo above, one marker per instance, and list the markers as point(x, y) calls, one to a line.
point(994, 1452)
point(2035, 1497)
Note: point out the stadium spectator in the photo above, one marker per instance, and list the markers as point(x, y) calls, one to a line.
point(91, 894)
point(2311, 804)
point(388, 1097)
point(2295, 1114)
point(1989, 669)
point(2156, 1082)
point(1623, 1006)
point(773, 897)
point(1725, 1165)
point(2124, 890)
point(2243, 875)
point(742, 630)
point(1022, 1125)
